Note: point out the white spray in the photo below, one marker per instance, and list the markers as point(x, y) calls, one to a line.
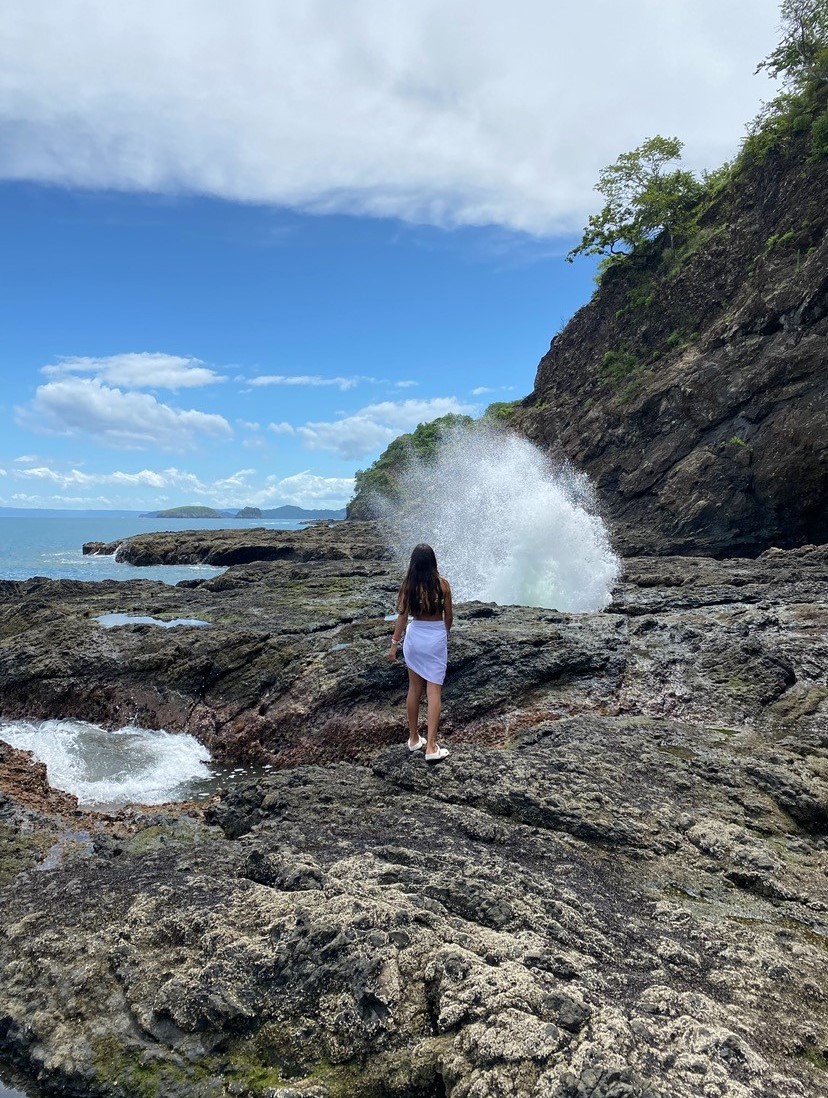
point(506, 526)
point(101, 767)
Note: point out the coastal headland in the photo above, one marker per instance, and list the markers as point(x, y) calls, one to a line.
point(615, 886)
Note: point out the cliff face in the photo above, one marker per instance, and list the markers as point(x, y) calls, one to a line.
point(693, 388)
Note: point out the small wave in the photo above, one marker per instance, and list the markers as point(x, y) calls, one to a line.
point(131, 765)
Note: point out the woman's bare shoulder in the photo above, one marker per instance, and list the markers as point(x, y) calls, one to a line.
point(444, 583)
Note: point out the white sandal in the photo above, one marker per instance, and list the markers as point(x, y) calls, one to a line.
point(439, 754)
point(421, 742)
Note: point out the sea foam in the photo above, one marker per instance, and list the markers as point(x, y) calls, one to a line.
point(506, 524)
point(111, 768)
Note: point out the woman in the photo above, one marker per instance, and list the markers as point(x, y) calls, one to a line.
point(426, 596)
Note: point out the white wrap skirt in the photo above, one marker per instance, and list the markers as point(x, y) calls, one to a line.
point(425, 649)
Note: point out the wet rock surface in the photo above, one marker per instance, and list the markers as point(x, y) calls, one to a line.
point(616, 886)
point(319, 541)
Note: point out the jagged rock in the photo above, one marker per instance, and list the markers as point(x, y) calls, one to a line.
point(615, 885)
point(320, 541)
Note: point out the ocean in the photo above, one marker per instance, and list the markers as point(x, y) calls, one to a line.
point(52, 547)
point(7, 1091)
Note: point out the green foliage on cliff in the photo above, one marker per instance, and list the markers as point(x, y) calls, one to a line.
point(382, 478)
point(501, 411)
point(800, 63)
point(801, 57)
point(642, 200)
point(618, 365)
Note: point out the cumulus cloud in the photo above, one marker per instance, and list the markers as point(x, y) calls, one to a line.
point(141, 370)
point(313, 380)
point(480, 390)
point(145, 478)
point(142, 488)
point(282, 428)
point(306, 489)
point(26, 500)
point(239, 480)
point(373, 427)
point(474, 112)
point(75, 407)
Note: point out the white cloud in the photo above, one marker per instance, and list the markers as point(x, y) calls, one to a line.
point(3, 473)
point(406, 384)
point(142, 370)
point(146, 478)
point(26, 459)
point(313, 380)
point(239, 480)
point(480, 390)
point(309, 490)
point(350, 439)
point(60, 501)
point(75, 407)
point(373, 427)
point(472, 112)
point(246, 425)
point(151, 488)
point(282, 428)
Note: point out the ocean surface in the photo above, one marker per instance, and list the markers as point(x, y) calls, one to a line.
point(7, 1091)
point(52, 547)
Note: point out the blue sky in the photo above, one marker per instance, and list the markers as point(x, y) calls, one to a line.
point(243, 250)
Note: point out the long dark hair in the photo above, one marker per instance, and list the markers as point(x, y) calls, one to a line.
point(421, 591)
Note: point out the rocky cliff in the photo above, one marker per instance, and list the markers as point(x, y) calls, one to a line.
point(693, 388)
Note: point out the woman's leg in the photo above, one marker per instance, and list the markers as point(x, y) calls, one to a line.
point(412, 705)
point(435, 694)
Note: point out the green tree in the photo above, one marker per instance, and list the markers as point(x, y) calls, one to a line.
point(802, 53)
point(642, 200)
point(800, 62)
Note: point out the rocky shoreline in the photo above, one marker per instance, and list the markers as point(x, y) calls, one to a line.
point(617, 885)
point(318, 541)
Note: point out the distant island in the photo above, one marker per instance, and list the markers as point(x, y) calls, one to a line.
point(288, 511)
point(185, 512)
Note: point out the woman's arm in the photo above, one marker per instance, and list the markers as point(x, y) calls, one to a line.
point(396, 637)
point(448, 610)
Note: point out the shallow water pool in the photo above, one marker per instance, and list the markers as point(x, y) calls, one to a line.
point(112, 621)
